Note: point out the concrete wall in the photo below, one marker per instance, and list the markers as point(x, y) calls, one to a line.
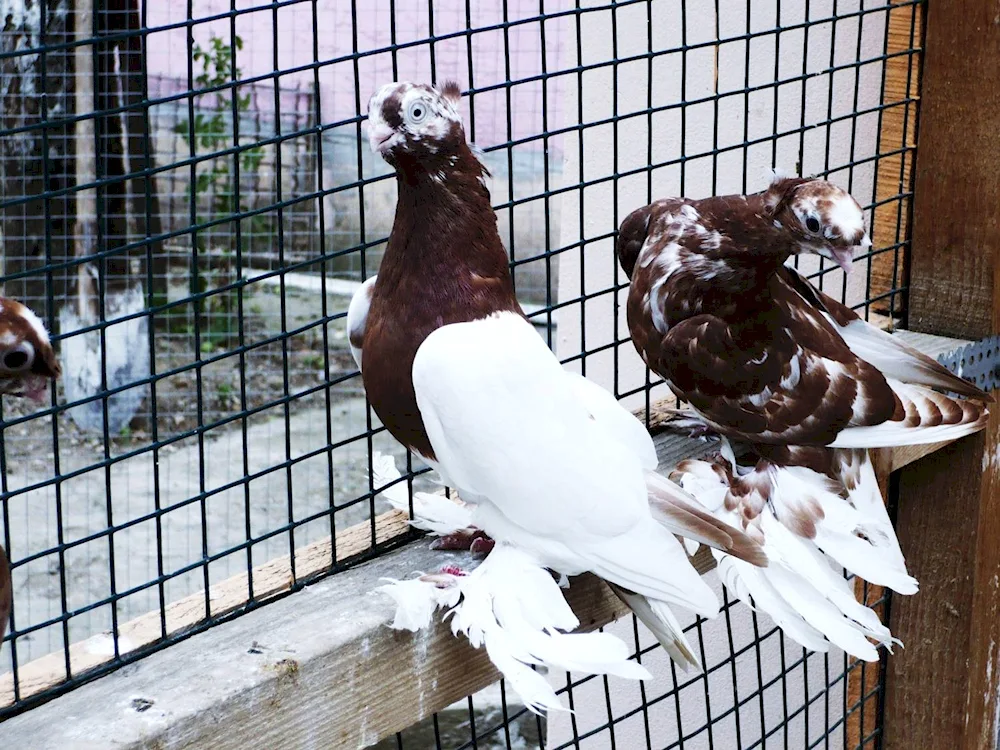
point(591, 214)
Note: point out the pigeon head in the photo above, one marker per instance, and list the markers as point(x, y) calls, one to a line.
point(27, 360)
point(822, 218)
point(416, 124)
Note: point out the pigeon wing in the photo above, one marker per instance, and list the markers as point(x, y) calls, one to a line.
point(888, 353)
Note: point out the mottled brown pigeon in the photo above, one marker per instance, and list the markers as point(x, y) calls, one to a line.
point(765, 358)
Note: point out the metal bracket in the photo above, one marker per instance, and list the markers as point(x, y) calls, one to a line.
point(978, 362)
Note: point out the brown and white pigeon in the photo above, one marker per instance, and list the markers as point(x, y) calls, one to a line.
point(765, 358)
point(549, 462)
point(27, 365)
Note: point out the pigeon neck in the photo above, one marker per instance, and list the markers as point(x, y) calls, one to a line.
point(445, 239)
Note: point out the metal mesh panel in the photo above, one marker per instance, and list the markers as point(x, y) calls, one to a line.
point(230, 184)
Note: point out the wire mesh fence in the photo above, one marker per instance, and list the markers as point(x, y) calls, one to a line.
point(192, 203)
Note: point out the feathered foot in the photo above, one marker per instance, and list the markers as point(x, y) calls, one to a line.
point(512, 606)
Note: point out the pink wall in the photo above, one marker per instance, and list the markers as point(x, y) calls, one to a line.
point(168, 51)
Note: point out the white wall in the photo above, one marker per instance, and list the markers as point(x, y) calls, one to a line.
point(603, 206)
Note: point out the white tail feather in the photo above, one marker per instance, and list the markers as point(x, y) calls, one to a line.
point(878, 559)
point(805, 558)
point(751, 586)
point(650, 561)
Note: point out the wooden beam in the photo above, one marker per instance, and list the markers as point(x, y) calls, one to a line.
point(941, 691)
point(863, 698)
point(269, 580)
point(316, 669)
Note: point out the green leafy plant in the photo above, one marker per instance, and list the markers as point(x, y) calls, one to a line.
point(216, 194)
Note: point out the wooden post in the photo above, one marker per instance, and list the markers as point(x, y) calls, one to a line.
point(941, 691)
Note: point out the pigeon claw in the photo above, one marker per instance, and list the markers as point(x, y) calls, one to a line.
point(684, 421)
point(482, 546)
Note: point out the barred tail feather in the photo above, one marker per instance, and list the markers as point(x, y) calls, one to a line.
point(799, 590)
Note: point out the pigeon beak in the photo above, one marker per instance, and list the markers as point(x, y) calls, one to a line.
point(380, 137)
point(36, 388)
point(842, 255)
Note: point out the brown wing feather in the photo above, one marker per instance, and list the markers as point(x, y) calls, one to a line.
point(778, 373)
point(925, 370)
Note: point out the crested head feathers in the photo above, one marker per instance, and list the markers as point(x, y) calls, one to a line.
point(818, 216)
point(418, 130)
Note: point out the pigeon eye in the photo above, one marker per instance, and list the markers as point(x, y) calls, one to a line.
point(812, 224)
point(417, 112)
point(16, 359)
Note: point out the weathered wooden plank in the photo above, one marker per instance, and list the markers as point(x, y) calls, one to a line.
point(863, 680)
point(271, 579)
point(940, 692)
point(318, 669)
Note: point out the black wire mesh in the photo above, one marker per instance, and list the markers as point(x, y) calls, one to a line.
point(219, 171)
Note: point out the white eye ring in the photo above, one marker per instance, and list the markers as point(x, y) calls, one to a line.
point(813, 221)
point(417, 111)
point(25, 359)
